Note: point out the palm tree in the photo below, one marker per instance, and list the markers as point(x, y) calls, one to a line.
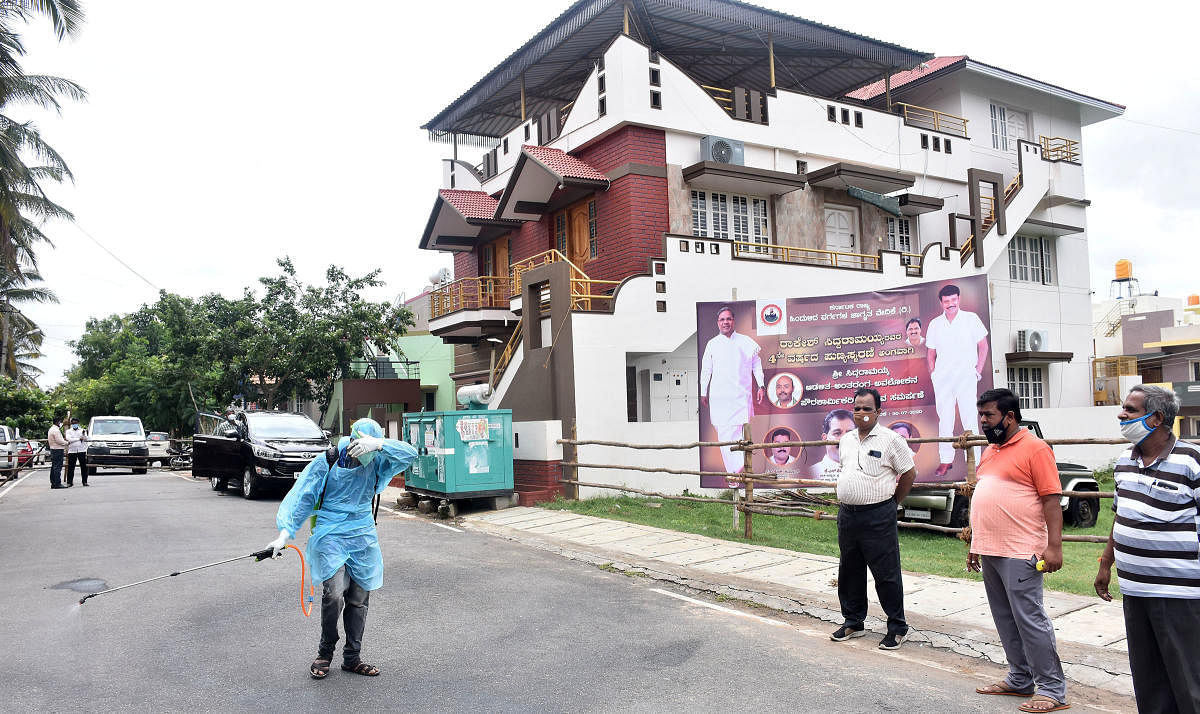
point(20, 338)
point(21, 195)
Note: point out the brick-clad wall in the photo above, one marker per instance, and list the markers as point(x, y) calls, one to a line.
point(633, 214)
point(533, 238)
point(632, 144)
point(537, 481)
point(466, 265)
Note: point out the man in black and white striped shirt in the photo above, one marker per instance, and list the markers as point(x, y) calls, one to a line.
point(1155, 543)
point(877, 473)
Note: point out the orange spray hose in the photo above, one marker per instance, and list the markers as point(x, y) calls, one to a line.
point(304, 579)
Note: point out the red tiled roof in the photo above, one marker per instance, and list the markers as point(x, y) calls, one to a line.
point(563, 163)
point(471, 204)
point(874, 89)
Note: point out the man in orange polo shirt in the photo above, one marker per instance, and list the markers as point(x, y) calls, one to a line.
point(1016, 521)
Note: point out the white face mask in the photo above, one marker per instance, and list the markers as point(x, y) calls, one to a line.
point(1135, 430)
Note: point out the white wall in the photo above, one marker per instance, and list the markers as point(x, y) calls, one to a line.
point(535, 440)
point(1081, 422)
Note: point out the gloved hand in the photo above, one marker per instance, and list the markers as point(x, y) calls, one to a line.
point(276, 545)
point(363, 445)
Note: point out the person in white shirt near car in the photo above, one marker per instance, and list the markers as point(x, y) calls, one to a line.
point(77, 443)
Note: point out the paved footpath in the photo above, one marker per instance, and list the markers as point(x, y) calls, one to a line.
point(943, 612)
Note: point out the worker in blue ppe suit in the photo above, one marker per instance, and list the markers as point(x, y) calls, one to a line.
point(343, 549)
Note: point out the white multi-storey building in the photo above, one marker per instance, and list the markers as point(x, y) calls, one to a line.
point(647, 156)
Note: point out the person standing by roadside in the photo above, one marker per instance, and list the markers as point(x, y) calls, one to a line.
point(1154, 543)
point(76, 452)
point(56, 443)
point(877, 474)
point(1016, 521)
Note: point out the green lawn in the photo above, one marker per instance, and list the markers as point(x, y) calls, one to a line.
point(920, 551)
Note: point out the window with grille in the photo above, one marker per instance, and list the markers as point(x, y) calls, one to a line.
point(1031, 259)
point(723, 215)
point(1194, 369)
point(593, 234)
point(1029, 384)
point(902, 236)
point(560, 233)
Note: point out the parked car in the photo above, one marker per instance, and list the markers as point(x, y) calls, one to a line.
point(11, 444)
point(117, 441)
point(947, 507)
point(39, 452)
point(157, 443)
point(258, 449)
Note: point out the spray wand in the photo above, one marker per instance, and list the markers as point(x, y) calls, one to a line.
point(258, 556)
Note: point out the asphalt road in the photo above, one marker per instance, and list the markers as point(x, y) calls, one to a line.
point(464, 621)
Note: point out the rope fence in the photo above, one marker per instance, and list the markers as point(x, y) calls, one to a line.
point(792, 504)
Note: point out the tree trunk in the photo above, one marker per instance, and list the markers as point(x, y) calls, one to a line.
point(4, 338)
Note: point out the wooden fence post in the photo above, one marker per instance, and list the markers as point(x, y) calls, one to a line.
point(748, 468)
point(970, 457)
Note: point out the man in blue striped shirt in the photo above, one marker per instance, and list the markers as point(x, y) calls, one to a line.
point(1155, 542)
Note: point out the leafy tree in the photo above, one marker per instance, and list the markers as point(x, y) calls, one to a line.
point(297, 340)
point(27, 408)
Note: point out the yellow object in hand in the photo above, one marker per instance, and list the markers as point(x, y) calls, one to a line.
point(1041, 565)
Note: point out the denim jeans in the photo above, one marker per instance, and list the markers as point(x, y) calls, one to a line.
point(338, 591)
point(56, 464)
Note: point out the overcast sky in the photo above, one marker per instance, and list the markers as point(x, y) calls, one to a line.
point(220, 135)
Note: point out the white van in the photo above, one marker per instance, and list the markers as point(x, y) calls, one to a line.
point(117, 441)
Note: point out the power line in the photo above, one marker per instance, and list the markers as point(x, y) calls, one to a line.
point(1161, 126)
point(114, 257)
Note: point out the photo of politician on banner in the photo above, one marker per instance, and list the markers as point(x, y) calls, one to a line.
point(789, 367)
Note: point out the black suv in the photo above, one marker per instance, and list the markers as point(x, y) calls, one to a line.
point(259, 449)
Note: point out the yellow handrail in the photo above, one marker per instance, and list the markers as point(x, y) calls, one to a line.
point(506, 356)
point(468, 293)
point(1057, 148)
point(811, 256)
point(933, 119)
point(1012, 187)
point(967, 248)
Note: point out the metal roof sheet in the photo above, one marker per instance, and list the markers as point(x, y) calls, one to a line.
point(874, 89)
point(718, 42)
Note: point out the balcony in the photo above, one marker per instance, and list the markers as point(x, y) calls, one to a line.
point(811, 256)
point(1056, 148)
point(933, 120)
point(384, 369)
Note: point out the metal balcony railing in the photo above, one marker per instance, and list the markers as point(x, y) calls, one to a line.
point(932, 119)
point(1057, 148)
point(385, 369)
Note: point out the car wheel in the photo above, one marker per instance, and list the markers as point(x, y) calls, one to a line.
point(961, 512)
point(1083, 512)
point(250, 484)
point(218, 484)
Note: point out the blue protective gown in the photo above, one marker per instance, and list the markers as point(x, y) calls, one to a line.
point(345, 529)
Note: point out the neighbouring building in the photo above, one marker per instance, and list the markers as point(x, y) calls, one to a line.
point(646, 156)
point(1151, 338)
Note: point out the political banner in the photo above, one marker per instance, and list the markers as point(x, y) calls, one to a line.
point(790, 367)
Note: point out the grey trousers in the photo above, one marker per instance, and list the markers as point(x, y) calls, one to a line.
point(1164, 646)
point(1014, 593)
point(339, 590)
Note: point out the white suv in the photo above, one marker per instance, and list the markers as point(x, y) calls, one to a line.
point(117, 441)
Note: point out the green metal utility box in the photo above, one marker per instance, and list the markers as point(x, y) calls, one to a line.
point(461, 454)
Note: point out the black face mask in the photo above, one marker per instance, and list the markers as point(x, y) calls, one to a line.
point(996, 434)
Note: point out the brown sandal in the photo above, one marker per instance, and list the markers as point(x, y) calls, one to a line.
point(1003, 690)
point(1053, 705)
point(366, 670)
point(319, 668)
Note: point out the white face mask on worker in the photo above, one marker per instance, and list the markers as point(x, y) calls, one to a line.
point(1135, 430)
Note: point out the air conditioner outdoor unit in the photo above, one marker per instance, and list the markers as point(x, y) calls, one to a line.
point(1032, 340)
point(722, 151)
